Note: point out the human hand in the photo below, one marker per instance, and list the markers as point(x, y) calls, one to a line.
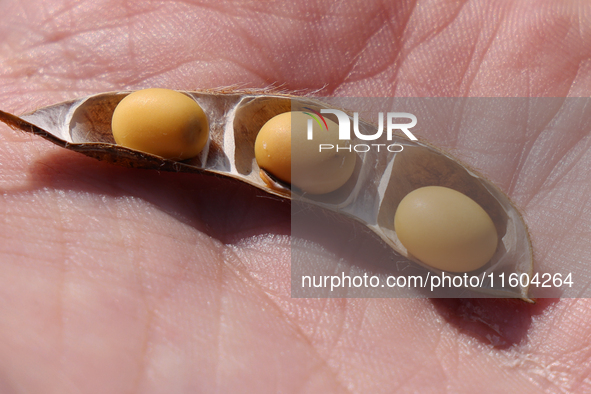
point(119, 280)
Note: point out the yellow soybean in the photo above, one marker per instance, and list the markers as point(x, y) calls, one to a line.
point(445, 229)
point(272, 147)
point(283, 149)
point(161, 122)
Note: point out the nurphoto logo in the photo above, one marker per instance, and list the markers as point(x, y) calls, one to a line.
point(344, 122)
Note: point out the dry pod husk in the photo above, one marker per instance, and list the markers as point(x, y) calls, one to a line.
point(379, 182)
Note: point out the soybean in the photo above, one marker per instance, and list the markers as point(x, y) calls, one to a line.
point(161, 122)
point(445, 229)
point(283, 149)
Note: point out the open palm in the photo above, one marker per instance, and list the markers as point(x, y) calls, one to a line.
point(117, 280)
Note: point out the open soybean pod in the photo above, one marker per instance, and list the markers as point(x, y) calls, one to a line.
point(376, 183)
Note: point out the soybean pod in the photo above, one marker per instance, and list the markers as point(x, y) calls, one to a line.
point(264, 139)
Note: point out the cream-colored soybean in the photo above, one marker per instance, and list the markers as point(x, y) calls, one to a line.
point(445, 229)
point(161, 122)
point(283, 149)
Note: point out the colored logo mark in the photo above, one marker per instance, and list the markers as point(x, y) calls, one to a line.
point(315, 115)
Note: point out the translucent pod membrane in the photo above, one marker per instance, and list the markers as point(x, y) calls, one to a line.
point(381, 173)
